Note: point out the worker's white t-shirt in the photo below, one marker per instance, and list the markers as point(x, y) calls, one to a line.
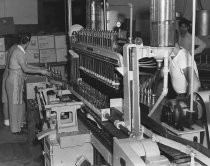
point(176, 66)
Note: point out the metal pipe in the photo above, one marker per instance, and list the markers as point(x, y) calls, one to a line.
point(193, 52)
point(131, 22)
point(69, 16)
point(105, 15)
point(165, 86)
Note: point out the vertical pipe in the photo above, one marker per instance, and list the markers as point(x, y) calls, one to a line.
point(105, 16)
point(193, 52)
point(131, 22)
point(69, 17)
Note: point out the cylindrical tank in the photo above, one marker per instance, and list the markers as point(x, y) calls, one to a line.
point(202, 22)
point(162, 23)
point(93, 14)
point(112, 18)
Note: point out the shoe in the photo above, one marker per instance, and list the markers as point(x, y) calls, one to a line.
point(6, 122)
point(24, 126)
point(24, 129)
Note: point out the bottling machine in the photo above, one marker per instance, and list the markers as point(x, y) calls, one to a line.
point(116, 91)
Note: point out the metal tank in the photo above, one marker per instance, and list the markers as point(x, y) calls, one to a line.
point(93, 14)
point(162, 23)
point(112, 18)
point(202, 22)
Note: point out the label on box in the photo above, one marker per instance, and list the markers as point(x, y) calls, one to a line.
point(33, 45)
point(2, 44)
point(60, 41)
point(61, 54)
point(2, 58)
point(46, 42)
point(32, 56)
point(47, 55)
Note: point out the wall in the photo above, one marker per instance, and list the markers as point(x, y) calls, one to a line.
point(22, 11)
point(35, 16)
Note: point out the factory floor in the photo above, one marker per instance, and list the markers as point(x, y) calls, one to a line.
point(16, 150)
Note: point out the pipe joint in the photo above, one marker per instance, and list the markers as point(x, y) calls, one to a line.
point(165, 91)
point(130, 5)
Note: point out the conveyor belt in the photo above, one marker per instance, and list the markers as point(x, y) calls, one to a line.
point(174, 155)
point(105, 133)
point(97, 132)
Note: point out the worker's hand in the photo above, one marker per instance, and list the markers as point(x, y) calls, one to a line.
point(45, 72)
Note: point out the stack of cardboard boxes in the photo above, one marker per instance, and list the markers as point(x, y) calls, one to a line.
point(33, 51)
point(47, 48)
point(61, 48)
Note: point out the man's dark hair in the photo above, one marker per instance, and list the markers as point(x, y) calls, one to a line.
point(184, 21)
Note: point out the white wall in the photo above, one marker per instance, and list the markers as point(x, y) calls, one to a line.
point(22, 11)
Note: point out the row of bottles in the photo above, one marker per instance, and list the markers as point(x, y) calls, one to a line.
point(100, 38)
point(92, 95)
point(55, 74)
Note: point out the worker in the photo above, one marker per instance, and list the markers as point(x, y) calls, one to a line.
point(180, 70)
point(180, 73)
point(4, 95)
point(185, 38)
point(17, 67)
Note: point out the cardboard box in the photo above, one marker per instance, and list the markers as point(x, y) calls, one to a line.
point(60, 41)
point(46, 42)
point(61, 54)
point(2, 58)
point(47, 55)
point(33, 45)
point(2, 44)
point(32, 56)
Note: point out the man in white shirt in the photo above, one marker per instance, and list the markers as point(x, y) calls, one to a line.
point(180, 69)
point(185, 38)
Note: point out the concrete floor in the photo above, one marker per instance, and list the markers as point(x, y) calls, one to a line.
point(17, 151)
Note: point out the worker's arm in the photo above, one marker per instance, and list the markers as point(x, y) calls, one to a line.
point(201, 45)
point(196, 83)
point(33, 67)
point(27, 69)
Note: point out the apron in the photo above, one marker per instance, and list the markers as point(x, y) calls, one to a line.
point(6, 73)
point(4, 93)
point(14, 85)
